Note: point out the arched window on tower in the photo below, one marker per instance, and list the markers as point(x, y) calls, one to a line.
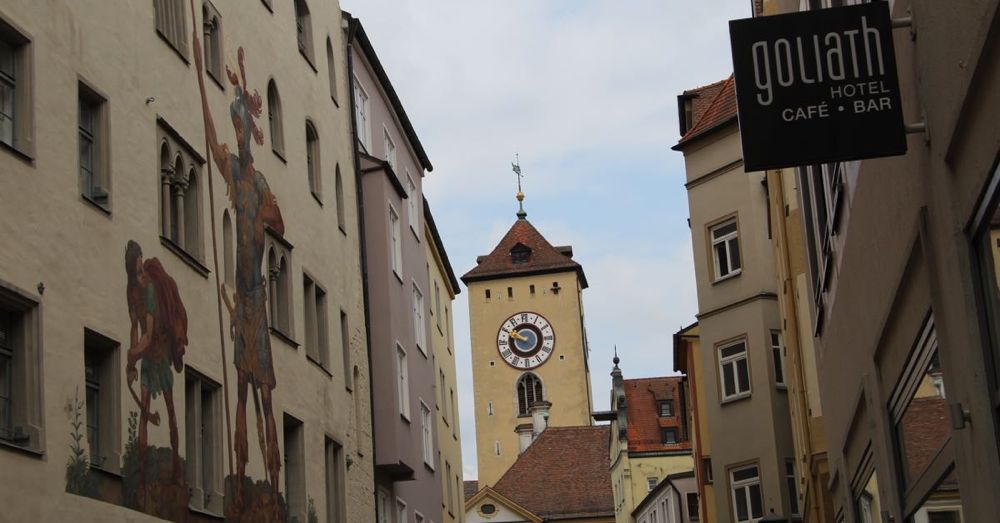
point(529, 390)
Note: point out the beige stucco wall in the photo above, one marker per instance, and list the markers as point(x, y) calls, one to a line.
point(564, 375)
point(442, 338)
point(633, 471)
point(56, 239)
point(755, 428)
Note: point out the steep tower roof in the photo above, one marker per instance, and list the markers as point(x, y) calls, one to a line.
point(524, 251)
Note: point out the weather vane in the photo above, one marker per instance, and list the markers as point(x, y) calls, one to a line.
point(516, 166)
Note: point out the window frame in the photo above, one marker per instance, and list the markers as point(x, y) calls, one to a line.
point(275, 120)
point(98, 190)
point(419, 319)
point(734, 359)
point(314, 170)
point(362, 115)
point(331, 70)
point(403, 382)
point(303, 31)
point(200, 386)
point(395, 243)
point(669, 408)
point(664, 431)
point(413, 217)
point(693, 515)
point(22, 127)
point(727, 240)
point(745, 484)
point(170, 22)
point(335, 483)
point(107, 383)
point(294, 466)
point(214, 54)
point(26, 423)
point(778, 359)
point(427, 434)
point(389, 149)
point(339, 197)
point(793, 487)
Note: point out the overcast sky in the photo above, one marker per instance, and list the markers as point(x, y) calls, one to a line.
point(585, 91)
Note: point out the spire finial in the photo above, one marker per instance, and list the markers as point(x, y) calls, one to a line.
point(616, 360)
point(520, 194)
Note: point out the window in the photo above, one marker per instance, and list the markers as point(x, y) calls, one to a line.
point(451, 503)
point(418, 517)
point(361, 111)
point(359, 411)
point(295, 470)
point(510, 293)
point(520, 253)
point(403, 383)
point(412, 203)
point(692, 505)
point(171, 24)
point(454, 414)
point(345, 350)
point(428, 438)
point(487, 294)
point(336, 491)
point(303, 30)
point(21, 420)
point(180, 197)
point(706, 470)
point(389, 147)
point(212, 25)
point(331, 70)
point(383, 513)
point(92, 128)
point(8, 92)
point(339, 188)
point(317, 329)
point(16, 108)
point(726, 249)
point(441, 401)
point(102, 385)
point(312, 161)
point(531, 289)
point(735, 370)
point(651, 483)
point(496, 447)
point(437, 305)
point(489, 408)
point(669, 436)
point(395, 243)
point(203, 441)
point(793, 490)
point(869, 504)
point(400, 511)
point(778, 356)
point(274, 120)
point(747, 502)
point(529, 390)
point(666, 409)
point(986, 246)
point(279, 287)
point(821, 192)
point(419, 327)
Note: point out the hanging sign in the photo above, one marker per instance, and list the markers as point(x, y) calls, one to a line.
point(817, 86)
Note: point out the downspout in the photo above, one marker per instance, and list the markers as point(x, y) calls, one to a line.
point(359, 196)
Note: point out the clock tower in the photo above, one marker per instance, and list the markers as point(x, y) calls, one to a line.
point(529, 346)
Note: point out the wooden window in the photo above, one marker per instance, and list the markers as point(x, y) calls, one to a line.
point(16, 104)
point(401, 511)
point(212, 27)
point(101, 379)
point(419, 324)
point(389, 148)
point(203, 439)
point(345, 350)
point(666, 409)
point(651, 483)
point(317, 327)
point(92, 128)
point(303, 31)
point(274, 120)
point(339, 188)
point(748, 504)
point(734, 370)
point(295, 470)
point(726, 249)
point(171, 24)
point(383, 510)
point(451, 502)
point(313, 170)
point(427, 437)
point(395, 243)
point(793, 490)
point(361, 112)
point(693, 507)
point(669, 436)
point(331, 70)
point(412, 204)
point(335, 482)
point(402, 383)
point(778, 358)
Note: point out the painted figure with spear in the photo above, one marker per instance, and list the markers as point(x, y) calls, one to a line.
point(256, 211)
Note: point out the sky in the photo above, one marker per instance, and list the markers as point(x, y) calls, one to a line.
point(585, 91)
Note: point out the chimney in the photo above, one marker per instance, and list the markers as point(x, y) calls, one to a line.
point(539, 417)
point(524, 436)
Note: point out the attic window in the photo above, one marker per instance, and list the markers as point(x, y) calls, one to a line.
point(488, 508)
point(520, 253)
point(666, 409)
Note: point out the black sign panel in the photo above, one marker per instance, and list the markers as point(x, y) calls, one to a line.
point(817, 86)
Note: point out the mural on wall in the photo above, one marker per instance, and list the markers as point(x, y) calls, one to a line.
point(256, 211)
point(153, 477)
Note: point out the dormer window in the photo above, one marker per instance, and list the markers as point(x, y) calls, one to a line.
point(666, 409)
point(520, 253)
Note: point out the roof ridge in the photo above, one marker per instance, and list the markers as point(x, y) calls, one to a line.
point(700, 87)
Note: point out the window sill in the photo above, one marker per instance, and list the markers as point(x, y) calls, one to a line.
point(342, 230)
point(21, 155)
point(216, 80)
point(23, 449)
point(180, 54)
point(415, 233)
point(98, 206)
point(405, 418)
point(736, 398)
point(422, 351)
point(398, 277)
point(188, 258)
point(335, 102)
point(781, 386)
point(317, 198)
point(429, 467)
point(285, 338)
point(319, 365)
point(729, 276)
point(279, 154)
point(308, 60)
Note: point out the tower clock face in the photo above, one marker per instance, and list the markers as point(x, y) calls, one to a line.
point(526, 340)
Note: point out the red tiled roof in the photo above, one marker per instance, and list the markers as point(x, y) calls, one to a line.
point(721, 110)
point(702, 97)
point(544, 258)
point(470, 487)
point(642, 397)
point(565, 472)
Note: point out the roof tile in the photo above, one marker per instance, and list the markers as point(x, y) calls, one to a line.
point(720, 110)
point(543, 256)
point(642, 397)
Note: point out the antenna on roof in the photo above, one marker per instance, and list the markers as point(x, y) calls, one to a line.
point(516, 167)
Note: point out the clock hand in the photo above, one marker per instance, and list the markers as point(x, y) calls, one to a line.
point(516, 335)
